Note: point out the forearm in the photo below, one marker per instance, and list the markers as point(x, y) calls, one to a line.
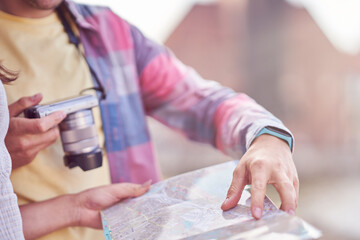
point(238, 121)
point(44, 217)
point(81, 209)
point(203, 110)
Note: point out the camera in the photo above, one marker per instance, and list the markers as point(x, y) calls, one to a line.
point(78, 131)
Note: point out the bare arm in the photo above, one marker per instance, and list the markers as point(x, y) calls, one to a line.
point(82, 209)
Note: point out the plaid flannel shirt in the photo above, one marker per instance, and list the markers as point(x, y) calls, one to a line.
point(144, 78)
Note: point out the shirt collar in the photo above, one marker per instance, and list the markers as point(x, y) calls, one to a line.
point(79, 18)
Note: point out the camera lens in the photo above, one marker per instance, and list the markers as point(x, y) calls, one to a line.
point(80, 141)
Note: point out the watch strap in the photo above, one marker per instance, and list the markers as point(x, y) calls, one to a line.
point(276, 132)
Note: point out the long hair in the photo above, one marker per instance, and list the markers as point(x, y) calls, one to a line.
point(6, 75)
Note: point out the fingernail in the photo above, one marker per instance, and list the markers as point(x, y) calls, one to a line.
point(291, 212)
point(257, 212)
point(146, 184)
point(35, 97)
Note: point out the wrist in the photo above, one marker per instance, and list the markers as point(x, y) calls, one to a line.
point(72, 209)
point(266, 141)
point(278, 133)
point(269, 139)
point(270, 143)
point(44, 217)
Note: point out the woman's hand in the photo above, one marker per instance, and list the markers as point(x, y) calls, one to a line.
point(81, 209)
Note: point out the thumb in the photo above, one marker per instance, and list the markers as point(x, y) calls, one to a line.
point(23, 103)
point(127, 190)
point(105, 196)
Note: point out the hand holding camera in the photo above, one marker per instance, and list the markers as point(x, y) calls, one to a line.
point(78, 131)
point(26, 137)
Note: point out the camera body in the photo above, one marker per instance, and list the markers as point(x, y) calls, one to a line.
point(78, 131)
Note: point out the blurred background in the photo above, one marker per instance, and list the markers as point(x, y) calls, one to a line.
point(299, 59)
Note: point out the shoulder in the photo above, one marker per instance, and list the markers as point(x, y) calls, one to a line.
point(95, 15)
point(88, 11)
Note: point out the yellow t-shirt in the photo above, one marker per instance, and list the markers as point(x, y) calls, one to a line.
point(49, 64)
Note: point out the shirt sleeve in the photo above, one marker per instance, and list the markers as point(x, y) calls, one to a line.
point(201, 109)
point(10, 218)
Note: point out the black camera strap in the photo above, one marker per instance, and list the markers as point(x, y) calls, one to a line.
point(76, 41)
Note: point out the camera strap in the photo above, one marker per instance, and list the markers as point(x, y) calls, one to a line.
point(76, 41)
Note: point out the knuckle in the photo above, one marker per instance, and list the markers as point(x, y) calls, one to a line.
point(130, 187)
point(54, 134)
point(23, 102)
point(236, 173)
point(23, 145)
point(139, 190)
point(278, 165)
point(289, 190)
point(288, 186)
point(289, 170)
point(281, 174)
point(51, 141)
point(258, 164)
point(135, 190)
point(40, 126)
point(232, 190)
point(296, 181)
point(258, 185)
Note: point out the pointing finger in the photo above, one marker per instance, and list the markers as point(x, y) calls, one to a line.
point(236, 188)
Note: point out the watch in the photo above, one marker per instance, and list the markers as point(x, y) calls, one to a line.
point(276, 132)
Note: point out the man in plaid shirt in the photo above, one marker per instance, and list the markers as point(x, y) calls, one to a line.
point(141, 78)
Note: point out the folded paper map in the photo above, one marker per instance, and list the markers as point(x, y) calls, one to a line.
point(187, 206)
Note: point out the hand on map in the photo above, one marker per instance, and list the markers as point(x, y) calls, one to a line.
point(267, 161)
point(88, 204)
point(81, 209)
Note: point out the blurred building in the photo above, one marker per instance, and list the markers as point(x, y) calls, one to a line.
point(276, 53)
